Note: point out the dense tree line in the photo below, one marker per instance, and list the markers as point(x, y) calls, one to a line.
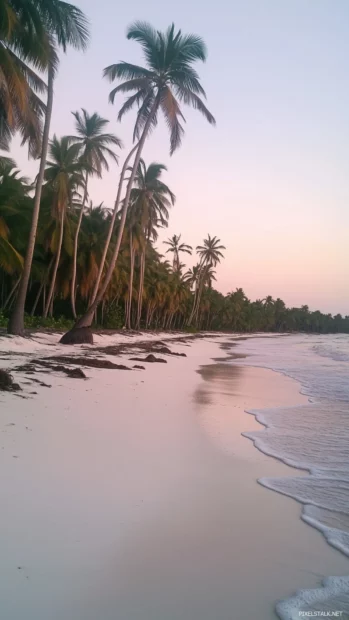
point(147, 289)
point(62, 256)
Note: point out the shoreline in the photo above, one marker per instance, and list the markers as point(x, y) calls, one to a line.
point(128, 494)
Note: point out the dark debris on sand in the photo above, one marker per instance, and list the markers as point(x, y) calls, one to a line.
point(7, 383)
point(150, 358)
point(86, 361)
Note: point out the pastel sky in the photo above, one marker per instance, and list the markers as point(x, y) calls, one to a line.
point(272, 179)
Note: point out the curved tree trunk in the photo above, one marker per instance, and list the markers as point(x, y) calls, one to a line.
point(36, 301)
point(55, 268)
point(16, 322)
point(130, 288)
point(42, 285)
point(112, 224)
point(11, 293)
point(86, 320)
point(75, 255)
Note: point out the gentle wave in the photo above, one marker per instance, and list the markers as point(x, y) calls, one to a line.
point(313, 437)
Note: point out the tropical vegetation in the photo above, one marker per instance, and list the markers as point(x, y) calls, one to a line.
point(65, 259)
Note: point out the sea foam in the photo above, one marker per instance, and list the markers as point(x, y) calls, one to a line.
point(313, 437)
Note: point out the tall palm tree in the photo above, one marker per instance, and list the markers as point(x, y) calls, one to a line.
point(176, 247)
point(64, 25)
point(167, 81)
point(95, 151)
point(150, 200)
point(65, 173)
point(211, 252)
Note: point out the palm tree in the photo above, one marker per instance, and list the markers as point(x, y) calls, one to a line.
point(176, 247)
point(92, 237)
point(168, 80)
point(24, 49)
point(95, 152)
point(150, 200)
point(210, 253)
point(13, 199)
point(64, 174)
point(135, 241)
point(65, 25)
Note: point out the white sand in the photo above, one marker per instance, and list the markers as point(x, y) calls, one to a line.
point(133, 496)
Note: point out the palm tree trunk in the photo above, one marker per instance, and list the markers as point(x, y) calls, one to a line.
point(75, 255)
point(126, 304)
point(130, 287)
point(191, 316)
point(151, 315)
point(51, 306)
point(11, 293)
point(36, 301)
point(208, 320)
point(16, 322)
point(147, 317)
point(140, 290)
point(196, 314)
point(86, 320)
point(112, 223)
point(55, 267)
point(41, 287)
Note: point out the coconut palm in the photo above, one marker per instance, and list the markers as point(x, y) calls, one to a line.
point(65, 173)
point(211, 252)
point(91, 241)
point(24, 49)
point(167, 81)
point(150, 200)
point(13, 200)
point(95, 151)
point(65, 25)
point(206, 276)
point(176, 247)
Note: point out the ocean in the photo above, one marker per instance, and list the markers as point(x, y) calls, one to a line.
point(314, 437)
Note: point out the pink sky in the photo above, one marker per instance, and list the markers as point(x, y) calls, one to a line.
point(271, 180)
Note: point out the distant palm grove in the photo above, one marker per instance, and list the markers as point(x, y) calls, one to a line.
point(65, 262)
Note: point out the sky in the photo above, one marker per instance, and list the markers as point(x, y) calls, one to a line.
point(271, 180)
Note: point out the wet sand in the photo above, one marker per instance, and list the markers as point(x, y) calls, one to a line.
point(134, 496)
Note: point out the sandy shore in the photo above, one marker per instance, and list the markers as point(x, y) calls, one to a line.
point(133, 495)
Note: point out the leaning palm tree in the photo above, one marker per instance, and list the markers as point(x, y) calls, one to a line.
point(65, 173)
point(168, 80)
point(176, 247)
point(64, 25)
point(95, 151)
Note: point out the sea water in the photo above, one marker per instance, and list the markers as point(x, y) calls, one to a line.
point(314, 437)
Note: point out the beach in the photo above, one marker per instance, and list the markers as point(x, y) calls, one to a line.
point(133, 493)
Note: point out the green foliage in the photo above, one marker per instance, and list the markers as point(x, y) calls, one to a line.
point(38, 322)
point(114, 318)
point(73, 244)
point(168, 81)
point(189, 329)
